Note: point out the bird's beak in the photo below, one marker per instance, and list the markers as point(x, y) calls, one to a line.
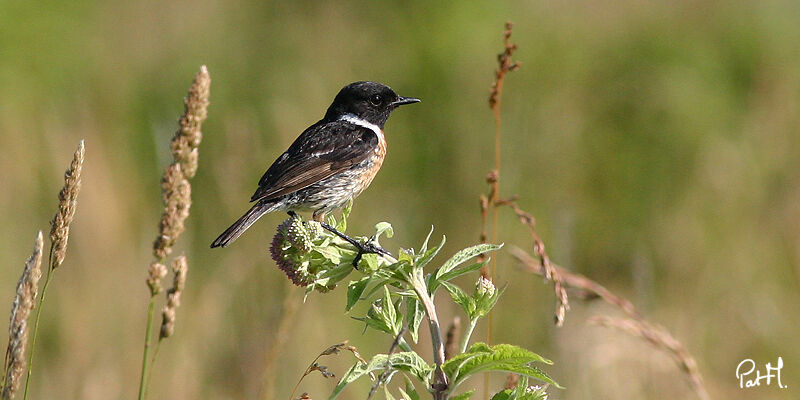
point(405, 100)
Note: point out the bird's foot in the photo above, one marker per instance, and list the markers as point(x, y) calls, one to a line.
point(363, 248)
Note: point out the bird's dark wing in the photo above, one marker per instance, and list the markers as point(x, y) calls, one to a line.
point(324, 149)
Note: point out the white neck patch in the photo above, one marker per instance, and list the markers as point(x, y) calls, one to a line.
point(360, 122)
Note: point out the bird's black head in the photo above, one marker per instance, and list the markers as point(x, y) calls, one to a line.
point(370, 101)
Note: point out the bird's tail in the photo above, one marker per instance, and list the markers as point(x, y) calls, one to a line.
point(241, 225)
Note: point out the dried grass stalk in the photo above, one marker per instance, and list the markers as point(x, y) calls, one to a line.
point(175, 187)
point(27, 289)
point(314, 366)
point(547, 269)
point(179, 268)
point(67, 202)
point(177, 196)
point(505, 65)
point(588, 287)
point(187, 138)
point(636, 325)
point(660, 339)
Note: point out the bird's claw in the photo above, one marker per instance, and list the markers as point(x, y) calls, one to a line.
point(369, 248)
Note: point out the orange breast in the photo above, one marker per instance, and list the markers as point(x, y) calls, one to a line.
point(377, 161)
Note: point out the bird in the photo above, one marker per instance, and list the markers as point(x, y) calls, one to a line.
point(329, 164)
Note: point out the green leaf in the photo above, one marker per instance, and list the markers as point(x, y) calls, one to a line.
point(434, 283)
point(464, 396)
point(502, 357)
point(405, 255)
point(414, 313)
point(409, 362)
point(389, 311)
point(424, 247)
point(425, 256)
point(342, 225)
point(400, 271)
point(385, 315)
point(466, 302)
point(354, 291)
point(506, 394)
point(407, 396)
point(368, 263)
point(356, 371)
point(464, 255)
point(456, 272)
point(331, 220)
point(383, 227)
point(379, 283)
point(411, 391)
point(412, 363)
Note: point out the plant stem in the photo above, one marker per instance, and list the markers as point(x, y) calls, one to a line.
point(467, 334)
point(36, 325)
point(152, 364)
point(145, 365)
point(404, 345)
point(439, 384)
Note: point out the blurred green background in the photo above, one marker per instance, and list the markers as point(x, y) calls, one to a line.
point(658, 145)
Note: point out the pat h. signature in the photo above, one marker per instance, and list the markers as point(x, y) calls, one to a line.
point(746, 369)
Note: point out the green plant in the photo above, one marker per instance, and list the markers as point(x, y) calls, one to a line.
point(401, 295)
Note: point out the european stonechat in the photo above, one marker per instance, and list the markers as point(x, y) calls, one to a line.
point(330, 163)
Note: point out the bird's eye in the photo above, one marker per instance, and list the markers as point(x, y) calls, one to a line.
point(376, 100)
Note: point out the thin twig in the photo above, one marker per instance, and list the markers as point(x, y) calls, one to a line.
point(388, 369)
point(335, 349)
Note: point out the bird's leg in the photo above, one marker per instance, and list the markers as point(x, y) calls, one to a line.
point(363, 248)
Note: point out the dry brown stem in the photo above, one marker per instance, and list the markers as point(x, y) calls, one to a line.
point(67, 202)
point(659, 338)
point(331, 350)
point(576, 281)
point(452, 339)
point(27, 289)
point(549, 271)
point(505, 65)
